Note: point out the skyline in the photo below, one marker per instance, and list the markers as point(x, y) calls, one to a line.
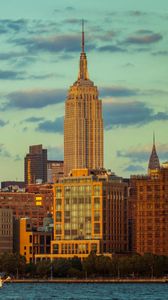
point(40, 50)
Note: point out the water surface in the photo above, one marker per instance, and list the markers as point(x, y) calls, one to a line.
point(84, 291)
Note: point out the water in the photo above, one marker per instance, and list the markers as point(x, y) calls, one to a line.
point(83, 291)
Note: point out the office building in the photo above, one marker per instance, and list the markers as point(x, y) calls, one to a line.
point(83, 122)
point(55, 170)
point(35, 165)
point(90, 214)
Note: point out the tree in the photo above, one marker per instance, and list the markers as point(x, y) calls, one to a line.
point(43, 269)
point(89, 264)
point(13, 263)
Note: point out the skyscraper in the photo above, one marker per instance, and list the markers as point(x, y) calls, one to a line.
point(35, 165)
point(83, 123)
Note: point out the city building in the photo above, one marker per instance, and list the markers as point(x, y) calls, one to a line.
point(90, 214)
point(55, 170)
point(83, 122)
point(35, 165)
point(34, 205)
point(12, 186)
point(149, 209)
point(31, 241)
point(6, 230)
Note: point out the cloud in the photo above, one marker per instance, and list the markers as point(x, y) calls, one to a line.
point(160, 53)
point(132, 113)
point(118, 91)
point(55, 153)
point(56, 126)
point(34, 98)
point(70, 8)
point(7, 25)
point(66, 56)
point(72, 21)
point(34, 119)
point(141, 154)
point(160, 116)
point(52, 44)
point(144, 31)
point(135, 155)
point(11, 75)
point(137, 13)
point(4, 152)
point(111, 48)
point(10, 55)
point(145, 39)
point(134, 168)
point(42, 76)
point(17, 158)
point(2, 123)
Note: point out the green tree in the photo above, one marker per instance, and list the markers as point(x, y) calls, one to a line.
point(102, 265)
point(43, 269)
point(13, 263)
point(89, 264)
point(61, 267)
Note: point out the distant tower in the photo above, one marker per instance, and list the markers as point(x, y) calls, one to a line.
point(154, 164)
point(35, 165)
point(83, 122)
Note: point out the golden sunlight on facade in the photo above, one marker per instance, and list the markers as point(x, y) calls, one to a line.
point(149, 209)
point(83, 123)
point(90, 214)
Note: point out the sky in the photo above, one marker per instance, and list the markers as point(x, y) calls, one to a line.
point(126, 45)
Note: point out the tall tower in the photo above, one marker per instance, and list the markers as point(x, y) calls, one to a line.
point(83, 122)
point(35, 165)
point(154, 164)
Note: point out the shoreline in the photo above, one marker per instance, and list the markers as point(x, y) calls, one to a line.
point(100, 280)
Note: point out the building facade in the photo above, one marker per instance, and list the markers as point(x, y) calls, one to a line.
point(83, 123)
point(90, 214)
point(6, 230)
point(149, 209)
point(35, 165)
point(33, 242)
point(32, 205)
point(55, 170)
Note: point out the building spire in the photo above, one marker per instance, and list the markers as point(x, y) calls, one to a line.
point(83, 72)
point(83, 37)
point(154, 164)
point(153, 138)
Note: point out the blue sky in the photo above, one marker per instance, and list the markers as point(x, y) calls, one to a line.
point(126, 45)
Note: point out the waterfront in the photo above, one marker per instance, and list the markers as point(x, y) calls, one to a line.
point(84, 291)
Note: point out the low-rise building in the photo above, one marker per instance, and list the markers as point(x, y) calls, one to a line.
point(34, 241)
point(34, 205)
point(6, 230)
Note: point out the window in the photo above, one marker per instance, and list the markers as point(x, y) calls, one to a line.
point(58, 216)
point(97, 228)
point(97, 190)
point(42, 239)
point(58, 204)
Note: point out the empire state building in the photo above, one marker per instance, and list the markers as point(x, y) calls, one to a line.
point(83, 122)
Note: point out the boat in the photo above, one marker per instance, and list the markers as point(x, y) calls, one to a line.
point(1, 282)
point(5, 280)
